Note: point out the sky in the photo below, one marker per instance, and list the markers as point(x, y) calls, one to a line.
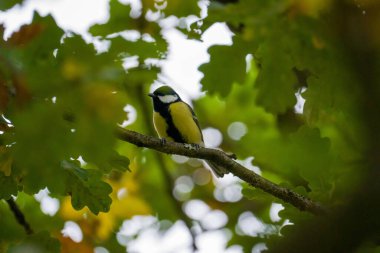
point(180, 71)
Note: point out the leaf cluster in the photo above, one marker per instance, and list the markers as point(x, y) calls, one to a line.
point(61, 98)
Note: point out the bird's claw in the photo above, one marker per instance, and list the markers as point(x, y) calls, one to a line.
point(163, 141)
point(232, 156)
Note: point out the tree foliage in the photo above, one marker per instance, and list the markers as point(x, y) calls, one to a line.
point(61, 99)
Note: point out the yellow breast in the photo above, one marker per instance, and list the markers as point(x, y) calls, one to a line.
point(160, 126)
point(183, 120)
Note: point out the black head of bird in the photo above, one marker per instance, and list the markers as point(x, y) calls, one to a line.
point(164, 96)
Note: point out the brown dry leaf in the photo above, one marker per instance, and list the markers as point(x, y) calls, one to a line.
point(25, 34)
point(69, 246)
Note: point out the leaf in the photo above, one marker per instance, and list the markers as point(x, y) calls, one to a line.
point(40, 242)
point(4, 5)
point(80, 62)
point(119, 162)
point(5, 161)
point(37, 40)
point(177, 8)
point(119, 20)
point(69, 246)
point(140, 48)
point(276, 82)
point(87, 188)
point(96, 116)
point(31, 52)
point(256, 194)
point(141, 75)
point(10, 229)
point(4, 95)
point(8, 186)
point(312, 157)
point(41, 146)
point(115, 161)
point(227, 65)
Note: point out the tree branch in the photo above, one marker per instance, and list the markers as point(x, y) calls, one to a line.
point(19, 216)
point(224, 160)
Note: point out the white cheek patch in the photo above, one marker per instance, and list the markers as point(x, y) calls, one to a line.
point(168, 98)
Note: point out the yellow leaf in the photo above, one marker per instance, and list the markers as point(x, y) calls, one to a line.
point(72, 69)
point(69, 213)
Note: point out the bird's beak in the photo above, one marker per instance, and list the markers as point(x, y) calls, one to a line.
point(151, 95)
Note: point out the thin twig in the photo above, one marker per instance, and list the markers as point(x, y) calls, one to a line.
point(19, 216)
point(223, 159)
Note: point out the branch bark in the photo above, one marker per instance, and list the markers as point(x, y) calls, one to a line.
point(222, 159)
point(19, 216)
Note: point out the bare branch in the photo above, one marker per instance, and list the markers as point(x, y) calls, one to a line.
point(19, 216)
point(224, 160)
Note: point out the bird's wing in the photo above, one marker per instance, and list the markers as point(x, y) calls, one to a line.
point(195, 120)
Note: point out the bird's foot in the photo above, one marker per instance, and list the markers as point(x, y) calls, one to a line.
point(163, 141)
point(232, 156)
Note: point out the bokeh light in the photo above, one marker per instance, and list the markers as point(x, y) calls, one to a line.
point(196, 209)
point(48, 205)
point(182, 188)
point(73, 231)
point(212, 137)
point(237, 130)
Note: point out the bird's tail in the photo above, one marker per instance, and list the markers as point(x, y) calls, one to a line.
point(218, 170)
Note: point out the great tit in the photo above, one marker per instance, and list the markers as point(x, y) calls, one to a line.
point(174, 120)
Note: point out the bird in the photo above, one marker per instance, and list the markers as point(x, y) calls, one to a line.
point(175, 120)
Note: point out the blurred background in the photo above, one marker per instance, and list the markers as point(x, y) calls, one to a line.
point(290, 87)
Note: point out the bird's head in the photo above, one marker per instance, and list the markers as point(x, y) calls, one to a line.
point(165, 95)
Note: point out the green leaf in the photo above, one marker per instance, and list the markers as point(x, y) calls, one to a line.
point(6, 159)
point(87, 188)
point(276, 82)
point(115, 161)
point(141, 75)
point(140, 48)
point(227, 65)
point(37, 243)
point(10, 229)
point(255, 194)
point(177, 8)
point(119, 162)
point(119, 20)
point(80, 62)
point(41, 146)
point(7, 4)
point(312, 157)
point(8, 186)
